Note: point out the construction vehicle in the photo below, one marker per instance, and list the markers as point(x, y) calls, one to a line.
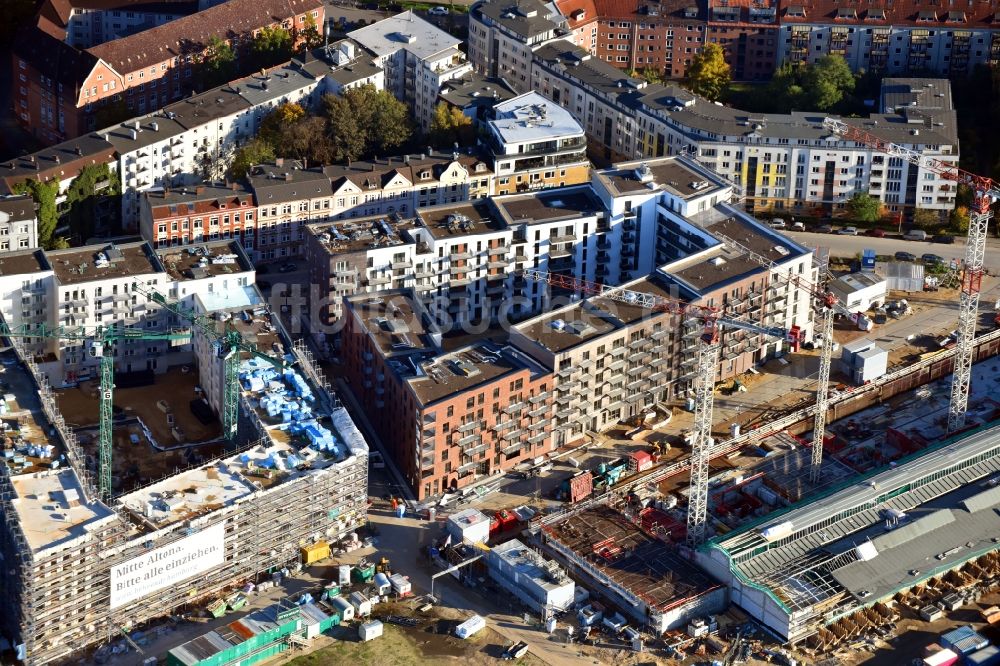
point(985, 194)
point(608, 474)
point(228, 346)
point(382, 566)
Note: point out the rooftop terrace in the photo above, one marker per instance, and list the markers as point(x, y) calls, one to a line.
point(464, 369)
point(564, 329)
point(195, 262)
point(565, 203)
point(460, 219)
point(396, 322)
point(670, 174)
point(364, 233)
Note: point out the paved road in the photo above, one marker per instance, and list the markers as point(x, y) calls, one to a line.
point(849, 246)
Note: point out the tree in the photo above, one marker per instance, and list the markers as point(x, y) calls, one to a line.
point(270, 46)
point(59, 243)
point(708, 74)
point(255, 151)
point(92, 200)
point(449, 126)
point(365, 121)
point(306, 139)
point(863, 207)
point(959, 219)
point(44, 195)
point(311, 37)
point(282, 117)
point(826, 81)
point(218, 63)
point(925, 219)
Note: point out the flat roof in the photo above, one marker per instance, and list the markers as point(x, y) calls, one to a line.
point(462, 370)
point(231, 299)
point(194, 262)
point(51, 508)
point(527, 18)
point(564, 329)
point(671, 174)
point(531, 117)
point(563, 203)
point(856, 282)
point(526, 562)
point(362, 233)
point(189, 494)
point(407, 31)
point(396, 321)
point(80, 264)
point(626, 313)
point(645, 566)
point(460, 219)
point(23, 261)
point(473, 89)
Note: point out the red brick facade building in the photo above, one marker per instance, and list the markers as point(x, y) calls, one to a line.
point(445, 419)
point(58, 89)
point(198, 214)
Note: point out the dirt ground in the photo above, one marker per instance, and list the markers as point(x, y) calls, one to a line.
point(80, 406)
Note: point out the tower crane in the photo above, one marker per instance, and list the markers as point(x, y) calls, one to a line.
point(704, 379)
point(986, 193)
point(102, 345)
point(228, 344)
point(829, 305)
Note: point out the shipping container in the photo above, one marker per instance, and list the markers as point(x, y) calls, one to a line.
point(400, 585)
point(315, 552)
point(988, 656)
point(470, 627)
point(370, 630)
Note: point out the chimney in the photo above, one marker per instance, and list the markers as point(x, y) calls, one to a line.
point(233, 186)
point(155, 126)
point(79, 151)
point(134, 134)
point(138, 125)
point(280, 161)
point(288, 176)
point(200, 189)
point(55, 158)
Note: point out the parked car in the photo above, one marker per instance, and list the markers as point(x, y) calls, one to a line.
point(930, 258)
point(777, 223)
point(848, 231)
point(438, 11)
point(286, 267)
point(798, 226)
point(947, 239)
point(875, 233)
point(824, 229)
point(905, 256)
point(915, 235)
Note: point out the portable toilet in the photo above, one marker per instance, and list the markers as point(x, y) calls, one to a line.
point(400, 585)
point(344, 574)
point(370, 630)
point(382, 584)
point(343, 607)
point(362, 604)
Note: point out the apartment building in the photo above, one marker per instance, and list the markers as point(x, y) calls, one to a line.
point(18, 223)
point(475, 95)
point(93, 287)
point(748, 33)
point(344, 65)
point(186, 216)
point(447, 418)
point(417, 57)
point(613, 358)
point(464, 260)
point(503, 33)
point(61, 88)
point(536, 144)
point(778, 161)
point(895, 39)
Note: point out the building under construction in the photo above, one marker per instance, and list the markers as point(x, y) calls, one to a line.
point(630, 558)
point(816, 569)
point(79, 571)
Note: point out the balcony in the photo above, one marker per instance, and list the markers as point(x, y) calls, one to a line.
point(513, 408)
point(501, 426)
point(402, 264)
point(469, 427)
point(459, 256)
point(538, 412)
point(377, 280)
point(469, 439)
point(538, 438)
point(513, 434)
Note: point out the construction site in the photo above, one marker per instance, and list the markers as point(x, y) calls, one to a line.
point(125, 507)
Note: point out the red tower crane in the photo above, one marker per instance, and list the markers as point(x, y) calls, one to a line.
point(985, 193)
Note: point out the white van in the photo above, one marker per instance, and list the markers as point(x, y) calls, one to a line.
point(915, 235)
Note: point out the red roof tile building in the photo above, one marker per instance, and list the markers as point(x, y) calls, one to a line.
point(59, 87)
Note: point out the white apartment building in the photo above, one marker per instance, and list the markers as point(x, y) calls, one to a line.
point(344, 65)
point(417, 58)
point(503, 34)
point(898, 39)
point(536, 143)
point(777, 161)
point(18, 223)
point(93, 287)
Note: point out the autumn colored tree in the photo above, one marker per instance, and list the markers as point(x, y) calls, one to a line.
point(255, 151)
point(281, 118)
point(708, 74)
point(450, 126)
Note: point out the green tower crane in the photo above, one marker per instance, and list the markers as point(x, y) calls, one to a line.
point(230, 344)
point(104, 339)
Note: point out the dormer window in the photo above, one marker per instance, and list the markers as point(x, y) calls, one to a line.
point(875, 15)
point(956, 17)
point(927, 16)
point(846, 13)
point(425, 175)
point(795, 11)
point(578, 15)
